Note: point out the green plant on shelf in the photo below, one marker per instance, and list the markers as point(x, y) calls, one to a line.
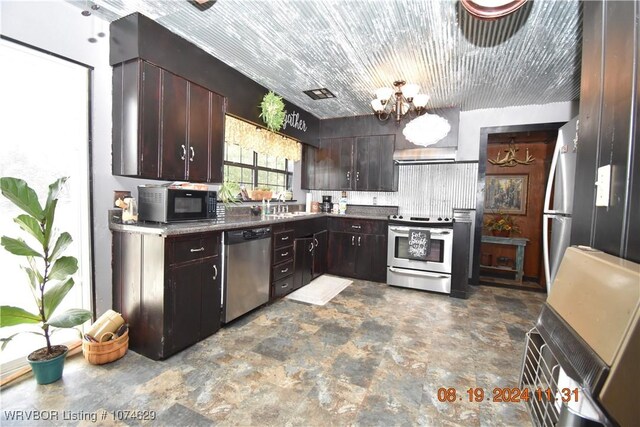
point(228, 192)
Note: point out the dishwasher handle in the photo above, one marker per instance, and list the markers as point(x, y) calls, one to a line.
point(241, 236)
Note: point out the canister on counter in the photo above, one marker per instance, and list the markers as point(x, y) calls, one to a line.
point(315, 207)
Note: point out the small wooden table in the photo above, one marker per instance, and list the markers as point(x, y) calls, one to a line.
point(519, 243)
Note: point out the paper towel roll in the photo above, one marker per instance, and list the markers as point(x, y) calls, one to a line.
point(308, 203)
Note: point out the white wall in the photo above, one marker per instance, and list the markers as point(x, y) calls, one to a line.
point(58, 27)
point(472, 121)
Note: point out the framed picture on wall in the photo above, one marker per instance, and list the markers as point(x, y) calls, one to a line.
point(506, 193)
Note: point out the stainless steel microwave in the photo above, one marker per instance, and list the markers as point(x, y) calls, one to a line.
point(161, 203)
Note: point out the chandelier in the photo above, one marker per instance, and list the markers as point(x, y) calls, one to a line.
point(403, 99)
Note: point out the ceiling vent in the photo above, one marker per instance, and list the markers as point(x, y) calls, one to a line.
point(322, 93)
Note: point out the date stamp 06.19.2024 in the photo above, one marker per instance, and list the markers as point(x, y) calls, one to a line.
point(506, 395)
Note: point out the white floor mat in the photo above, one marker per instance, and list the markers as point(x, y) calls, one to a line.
point(321, 290)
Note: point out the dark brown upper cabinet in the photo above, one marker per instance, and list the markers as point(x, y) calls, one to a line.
point(362, 163)
point(164, 126)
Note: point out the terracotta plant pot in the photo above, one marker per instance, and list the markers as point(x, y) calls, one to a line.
point(501, 233)
point(48, 371)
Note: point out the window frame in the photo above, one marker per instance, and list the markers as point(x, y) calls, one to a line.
point(255, 168)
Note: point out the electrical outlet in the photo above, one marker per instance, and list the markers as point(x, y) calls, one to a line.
point(603, 185)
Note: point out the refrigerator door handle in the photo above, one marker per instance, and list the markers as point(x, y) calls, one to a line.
point(545, 250)
point(552, 174)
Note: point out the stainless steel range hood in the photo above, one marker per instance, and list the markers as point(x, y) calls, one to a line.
point(417, 156)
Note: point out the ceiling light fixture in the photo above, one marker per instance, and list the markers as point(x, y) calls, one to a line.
point(401, 100)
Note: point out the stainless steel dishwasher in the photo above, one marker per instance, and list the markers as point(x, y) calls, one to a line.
point(246, 271)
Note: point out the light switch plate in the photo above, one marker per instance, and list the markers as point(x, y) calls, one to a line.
point(603, 185)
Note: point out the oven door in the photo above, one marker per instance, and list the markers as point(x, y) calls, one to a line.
point(439, 259)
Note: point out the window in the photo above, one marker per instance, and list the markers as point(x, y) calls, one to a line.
point(251, 169)
point(45, 132)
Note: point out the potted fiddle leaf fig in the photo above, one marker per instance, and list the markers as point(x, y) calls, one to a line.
point(49, 275)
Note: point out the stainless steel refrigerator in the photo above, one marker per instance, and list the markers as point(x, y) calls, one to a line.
point(558, 201)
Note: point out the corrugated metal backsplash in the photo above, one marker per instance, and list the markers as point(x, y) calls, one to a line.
point(432, 189)
point(353, 47)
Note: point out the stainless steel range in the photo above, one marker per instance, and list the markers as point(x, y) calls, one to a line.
point(419, 253)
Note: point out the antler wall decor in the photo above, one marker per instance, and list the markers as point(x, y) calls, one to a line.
point(509, 159)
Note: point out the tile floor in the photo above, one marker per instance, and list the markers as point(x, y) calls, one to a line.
point(374, 355)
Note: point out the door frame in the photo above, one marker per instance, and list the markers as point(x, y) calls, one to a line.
point(480, 187)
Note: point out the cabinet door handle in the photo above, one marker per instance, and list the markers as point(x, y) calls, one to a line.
point(357, 176)
point(285, 270)
point(286, 285)
point(356, 227)
point(353, 240)
point(284, 238)
point(193, 153)
point(311, 247)
point(348, 176)
point(200, 249)
point(184, 152)
point(215, 272)
point(315, 242)
point(284, 254)
point(359, 240)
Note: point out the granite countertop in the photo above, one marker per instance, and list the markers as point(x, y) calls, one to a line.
point(229, 223)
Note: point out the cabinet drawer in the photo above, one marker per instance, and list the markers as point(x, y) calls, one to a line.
point(188, 249)
point(283, 270)
point(283, 254)
point(283, 287)
point(352, 225)
point(284, 238)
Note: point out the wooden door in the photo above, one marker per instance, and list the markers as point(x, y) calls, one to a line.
point(183, 306)
point(149, 133)
point(341, 255)
point(211, 287)
point(174, 127)
point(371, 258)
point(324, 163)
point(198, 121)
point(340, 174)
point(303, 261)
point(319, 254)
point(388, 169)
point(366, 158)
point(216, 150)
point(308, 178)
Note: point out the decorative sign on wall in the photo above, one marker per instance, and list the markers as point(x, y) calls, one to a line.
point(293, 120)
point(506, 193)
point(419, 244)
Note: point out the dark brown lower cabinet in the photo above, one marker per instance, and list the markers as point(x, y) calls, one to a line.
point(358, 249)
point(341, 259)
point(167, 289)
point(303, 262)
point(320, 241)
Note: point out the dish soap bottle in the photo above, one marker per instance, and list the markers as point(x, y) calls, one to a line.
point(342, 204)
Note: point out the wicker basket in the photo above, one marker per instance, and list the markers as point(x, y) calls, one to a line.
point(99, 353)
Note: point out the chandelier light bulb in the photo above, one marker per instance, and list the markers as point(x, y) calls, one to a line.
point(377, 105)
point(420, 100)
point(410, 91)
point(384, 93)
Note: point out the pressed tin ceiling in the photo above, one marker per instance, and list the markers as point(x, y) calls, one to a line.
point(352, 47)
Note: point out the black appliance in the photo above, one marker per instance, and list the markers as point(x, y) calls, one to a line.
point(163, 203)
point(326, 204)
